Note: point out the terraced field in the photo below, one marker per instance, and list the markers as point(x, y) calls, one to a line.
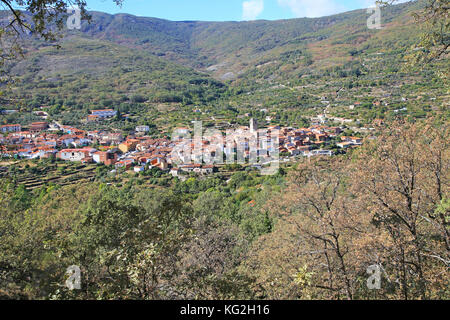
point(34, 175)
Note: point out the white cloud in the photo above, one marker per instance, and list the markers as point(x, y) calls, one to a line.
point(252, 9)
point(372, 3)
point(367, 3)
point(320, 8)
point(312, 8)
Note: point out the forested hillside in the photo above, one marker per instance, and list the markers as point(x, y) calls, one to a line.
point(228, 46)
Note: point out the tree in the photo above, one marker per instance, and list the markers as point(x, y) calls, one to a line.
point(210, 262)
point(35, 248)
point(435, 39)
point(314, 251)
point(128, 246)
point(37, 17)
point(403, 180)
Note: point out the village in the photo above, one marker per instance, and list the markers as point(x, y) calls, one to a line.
point(139, 152)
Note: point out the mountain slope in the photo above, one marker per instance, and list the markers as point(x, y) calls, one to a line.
point(85, 74)
point(293, 69)
point(223, 47)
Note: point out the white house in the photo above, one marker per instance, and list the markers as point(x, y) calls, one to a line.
point(174, 172)
point(10, 128)
point(321, 153)
point(142, 129)
point(75, 154)
point(106, 113)
point(81, 142)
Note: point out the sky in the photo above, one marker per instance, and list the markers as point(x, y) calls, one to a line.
point(229, 10)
